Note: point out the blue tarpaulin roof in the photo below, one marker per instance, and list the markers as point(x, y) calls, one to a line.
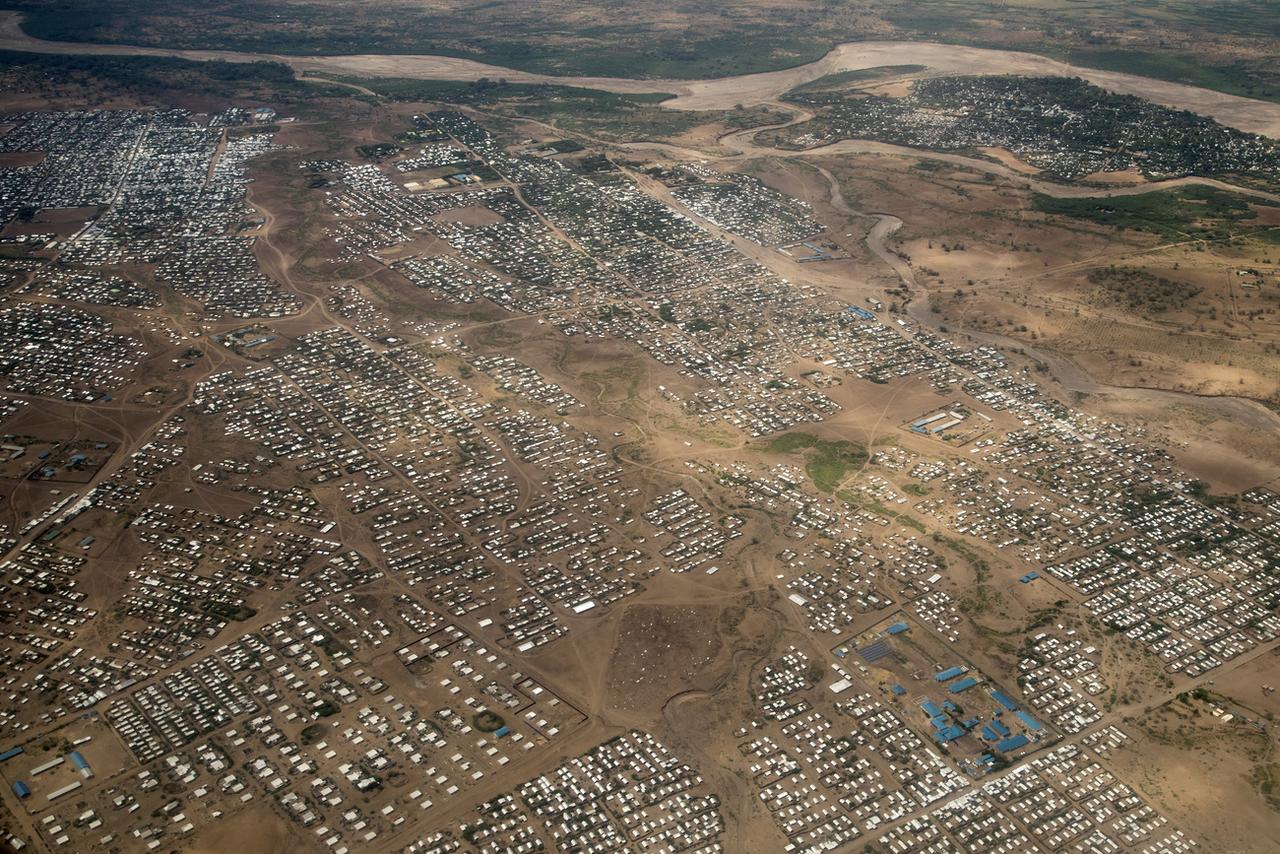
point(1003, 699)
point(963, 685)
point(950, 673)
point(1032, 723)
point(1012, 743)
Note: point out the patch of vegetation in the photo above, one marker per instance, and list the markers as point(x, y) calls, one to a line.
point(1189, 212)
point(377, 150)
point(1200, 490)
point(572, 109)
point(1142, 290)
point(530, 35)
point(1064, 126)
point(1101, 35)
point(1042, 617)
point(1220, 45)
point(869, 504)
point(826, 462)
point(842, 79)
point(332, 646)
point(743, 118)
point(981, 597)
point(1266, 779)
point(632, 121)
point(1233, 78)
point(325, 709)
point(487, 91)
point(487, 721)
point(151, 77)
point(227, 611)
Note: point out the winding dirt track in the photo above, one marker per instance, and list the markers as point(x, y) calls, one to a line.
point(722, 93)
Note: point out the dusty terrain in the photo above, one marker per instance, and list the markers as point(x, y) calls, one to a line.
point(949, 241)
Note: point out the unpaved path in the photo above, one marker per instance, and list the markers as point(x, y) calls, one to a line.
point(721, 93)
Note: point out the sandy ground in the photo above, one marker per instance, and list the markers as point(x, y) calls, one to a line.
point(723, 93)
point(256, 829)
point(1008, 159)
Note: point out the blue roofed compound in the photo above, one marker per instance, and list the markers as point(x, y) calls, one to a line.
point(945, 719)
point(957, 707)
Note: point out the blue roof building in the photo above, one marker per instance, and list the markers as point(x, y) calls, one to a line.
point(1003, 699)
point(1012, 743)
point(1032, 723)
